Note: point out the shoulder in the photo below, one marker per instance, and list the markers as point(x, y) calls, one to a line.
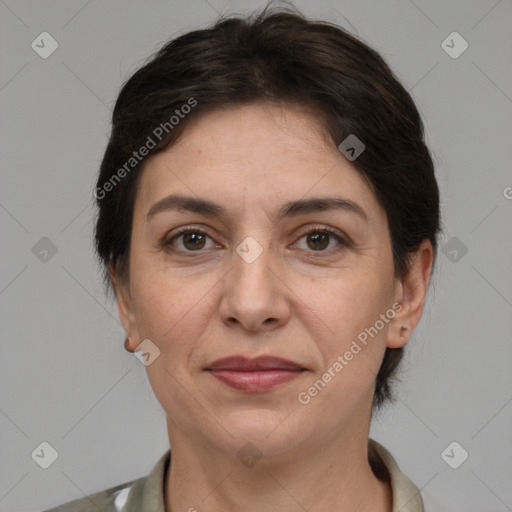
point(406, 496)
point(108, 500)
point(145, 493)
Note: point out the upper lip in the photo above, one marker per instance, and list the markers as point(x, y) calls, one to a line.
point(242, 363)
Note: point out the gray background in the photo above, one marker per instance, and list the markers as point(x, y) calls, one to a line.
point(65, 377)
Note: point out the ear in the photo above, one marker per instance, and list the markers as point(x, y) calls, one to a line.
point(411, 293)
point(125, 307)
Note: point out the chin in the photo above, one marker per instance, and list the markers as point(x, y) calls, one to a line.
point(268, 433)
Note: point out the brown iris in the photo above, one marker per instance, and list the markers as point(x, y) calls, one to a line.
point(318, 238)
point(196, 240)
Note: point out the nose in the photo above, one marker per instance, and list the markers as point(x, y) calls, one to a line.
point(254, 297)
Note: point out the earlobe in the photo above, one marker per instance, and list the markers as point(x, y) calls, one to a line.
point(399, 332)
point(127, 345)
point(413, 291)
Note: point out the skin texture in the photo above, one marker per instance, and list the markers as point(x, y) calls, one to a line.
point(292, 301)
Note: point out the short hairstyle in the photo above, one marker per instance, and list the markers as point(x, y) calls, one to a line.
point(281, 57)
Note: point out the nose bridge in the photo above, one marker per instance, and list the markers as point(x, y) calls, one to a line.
point(251, 261)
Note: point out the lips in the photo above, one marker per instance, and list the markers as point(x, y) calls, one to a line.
point(256, 375)
point(241, 363)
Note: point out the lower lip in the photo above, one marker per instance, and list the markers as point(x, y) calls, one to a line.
point(255, 381)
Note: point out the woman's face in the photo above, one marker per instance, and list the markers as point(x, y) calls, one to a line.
point(257, 284)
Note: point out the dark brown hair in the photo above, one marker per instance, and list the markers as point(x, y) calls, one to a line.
point(282, 57)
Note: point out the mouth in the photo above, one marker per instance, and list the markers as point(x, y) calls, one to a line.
point(258, 375)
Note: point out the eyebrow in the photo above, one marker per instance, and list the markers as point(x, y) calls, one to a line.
point(291, 209)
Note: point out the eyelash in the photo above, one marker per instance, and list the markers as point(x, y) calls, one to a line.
point(167, 242)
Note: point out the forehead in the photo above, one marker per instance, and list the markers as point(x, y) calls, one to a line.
point(262, 152)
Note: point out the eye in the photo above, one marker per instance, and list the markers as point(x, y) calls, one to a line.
point(318, 239)
point(189, 239)
point(192, 239)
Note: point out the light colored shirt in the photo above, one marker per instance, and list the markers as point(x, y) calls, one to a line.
point(146, 494)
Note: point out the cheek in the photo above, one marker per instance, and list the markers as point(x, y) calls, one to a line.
point(170, 309)
point(168, 312)
point(354, 340)
point(352, 347)
point(350, 302)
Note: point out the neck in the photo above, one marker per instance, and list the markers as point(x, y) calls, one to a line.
point(330, 476)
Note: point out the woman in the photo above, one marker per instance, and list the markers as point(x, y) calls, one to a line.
point(268, 220)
